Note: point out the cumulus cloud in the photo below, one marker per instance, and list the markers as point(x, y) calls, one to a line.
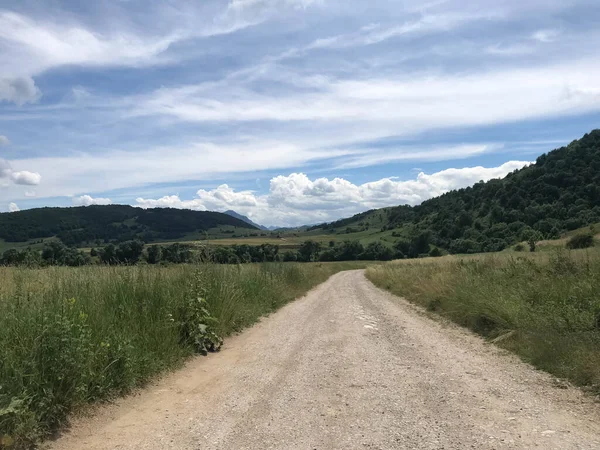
point(4, 140)
point(23, 177)
point(87, 200)
point(26, 178)
point(18, 90)
point(295, 199)
point(13, 207)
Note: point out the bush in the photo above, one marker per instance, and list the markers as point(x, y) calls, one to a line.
point(435, 252)
point(519, 248)
point(580, 241)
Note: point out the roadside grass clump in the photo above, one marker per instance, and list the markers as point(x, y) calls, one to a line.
point(544, 307)
point(70, 337)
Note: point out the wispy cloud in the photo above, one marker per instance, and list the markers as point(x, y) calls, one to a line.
point(206, 92)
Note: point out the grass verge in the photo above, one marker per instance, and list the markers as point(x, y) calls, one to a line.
point(545, 308)
point(73, 336)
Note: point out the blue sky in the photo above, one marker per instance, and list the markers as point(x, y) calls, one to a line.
point(288, 111)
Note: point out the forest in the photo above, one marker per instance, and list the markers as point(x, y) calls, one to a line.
point(560, 192)
point(78, 226)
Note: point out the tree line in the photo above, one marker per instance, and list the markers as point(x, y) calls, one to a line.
point(55, 253)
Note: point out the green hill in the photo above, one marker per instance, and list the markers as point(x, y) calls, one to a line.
point(559, 193)
point(79, 226)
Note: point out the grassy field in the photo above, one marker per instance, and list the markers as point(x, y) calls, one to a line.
point(73, 336)
point(543, 306)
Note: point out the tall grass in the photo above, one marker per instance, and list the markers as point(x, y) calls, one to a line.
point(73, 336)
point(545, 308)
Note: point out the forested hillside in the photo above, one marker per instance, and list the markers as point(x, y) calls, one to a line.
point(560, 192)
point(88, 224)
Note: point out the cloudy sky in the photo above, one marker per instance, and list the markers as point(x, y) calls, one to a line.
point(288, 111)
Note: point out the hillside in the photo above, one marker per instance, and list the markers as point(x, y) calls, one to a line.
point(89, 224)
point(245, 219)
point(559, 193)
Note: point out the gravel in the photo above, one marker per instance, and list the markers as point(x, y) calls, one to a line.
point(349, 366)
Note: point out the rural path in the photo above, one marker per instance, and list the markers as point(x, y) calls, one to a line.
point(348, 366)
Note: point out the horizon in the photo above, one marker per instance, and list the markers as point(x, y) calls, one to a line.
point(289, 112)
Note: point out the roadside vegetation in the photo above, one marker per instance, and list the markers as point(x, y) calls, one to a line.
point(73, 336)
point(543, 306)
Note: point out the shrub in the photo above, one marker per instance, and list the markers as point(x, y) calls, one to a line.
point(435, 252)
point(519, 248)
point(580, 241)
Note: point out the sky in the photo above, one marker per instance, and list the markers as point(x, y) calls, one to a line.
point(288, 111)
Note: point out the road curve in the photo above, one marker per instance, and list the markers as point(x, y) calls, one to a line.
point(348, 366)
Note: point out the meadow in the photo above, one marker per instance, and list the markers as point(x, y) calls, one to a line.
point(70, 337)
point(543, 306)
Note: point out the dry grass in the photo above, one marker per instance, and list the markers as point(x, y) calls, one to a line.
point(543, 306)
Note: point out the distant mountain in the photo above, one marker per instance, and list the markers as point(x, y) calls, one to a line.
point(88, 224)
point(560, 192)
point(245, 219)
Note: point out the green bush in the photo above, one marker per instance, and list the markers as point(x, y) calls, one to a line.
point(580, 241)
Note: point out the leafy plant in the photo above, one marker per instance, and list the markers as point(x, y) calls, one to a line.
point(196, 324)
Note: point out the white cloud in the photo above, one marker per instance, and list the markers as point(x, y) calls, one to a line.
point(19, 90)
point(13, 207)
point(86, 200)
point(67, 175)
point(22, 177)
point(30, 194)
point(375, 33)
point(545, 36)
point(36, 45)
point(296, 199)
point(26, 178)
point(378, 106)
point(4, 140)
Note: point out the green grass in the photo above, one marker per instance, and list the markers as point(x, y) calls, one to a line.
point(73, 336)
point(543, 306)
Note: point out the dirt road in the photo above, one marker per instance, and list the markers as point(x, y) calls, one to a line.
point(348, 367)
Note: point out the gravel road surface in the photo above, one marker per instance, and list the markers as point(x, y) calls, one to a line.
point(348, 366)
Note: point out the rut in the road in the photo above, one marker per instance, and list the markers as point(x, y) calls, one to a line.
point(348, 366)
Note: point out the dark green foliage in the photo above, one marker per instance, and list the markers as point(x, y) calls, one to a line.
point(177, 253)
point(435, 252)
point(154, 254)
point(580, 241)
point(559, 193)
point(57, 254)
point(290, 256)
point(309, 251)
point(237, 254)
point(130, 252)
point(117, 223)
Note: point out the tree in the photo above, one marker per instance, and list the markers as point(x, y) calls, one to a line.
point(533, 240)
point(153, 254)
point(309, 251)
point(129, 252)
